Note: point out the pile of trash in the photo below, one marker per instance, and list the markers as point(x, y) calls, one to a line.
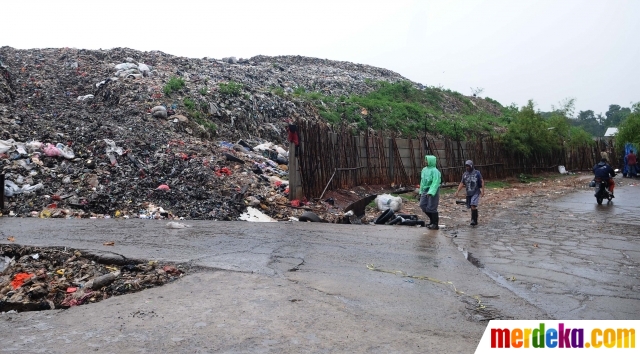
point(182, 179)
point(38, 278)
point(124, 133)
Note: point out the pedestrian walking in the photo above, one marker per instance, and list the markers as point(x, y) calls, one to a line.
point(430, 179)
point(472, 180)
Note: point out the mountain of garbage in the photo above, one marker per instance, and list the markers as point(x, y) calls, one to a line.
point(125, 133)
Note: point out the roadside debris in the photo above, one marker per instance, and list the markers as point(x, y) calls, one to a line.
point(103, 129)
point(176, 225)
point(387, 201)
point(39, 278)
point(255, 215)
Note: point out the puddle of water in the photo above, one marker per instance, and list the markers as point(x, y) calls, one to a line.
point(470, 257)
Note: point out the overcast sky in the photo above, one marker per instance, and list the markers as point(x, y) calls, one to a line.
point(515, 50)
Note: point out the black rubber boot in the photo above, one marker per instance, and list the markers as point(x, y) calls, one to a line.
point(474, 217)
point(430, 215)
point(436, 219)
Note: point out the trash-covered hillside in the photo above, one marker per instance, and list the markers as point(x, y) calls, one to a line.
point(124, 133)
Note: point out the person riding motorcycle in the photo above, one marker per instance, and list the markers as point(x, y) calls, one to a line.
point(604, 171)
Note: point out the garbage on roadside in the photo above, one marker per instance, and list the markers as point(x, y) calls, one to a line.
point(176, 225)
point(102, 129)
point(255, 215)
point(42, 278)
point(562, 170)
point(387, 201)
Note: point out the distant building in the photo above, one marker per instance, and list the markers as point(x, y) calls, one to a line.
point(611, 132)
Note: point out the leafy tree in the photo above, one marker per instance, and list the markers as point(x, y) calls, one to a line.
point(615, 115)
point(591, 123)
point(586, 115)
point(629, 130)
point(579, 137)
point(565, 130)
point(529, 133)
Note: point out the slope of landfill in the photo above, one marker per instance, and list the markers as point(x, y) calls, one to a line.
point(97, 133)
point(77, 137)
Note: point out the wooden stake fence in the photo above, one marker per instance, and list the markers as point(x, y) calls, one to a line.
point(373, 159)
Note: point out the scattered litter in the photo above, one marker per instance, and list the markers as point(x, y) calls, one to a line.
point(387, 201)
point(255, 215)
point(29, 284)
point(110, 243)
point(176, 225)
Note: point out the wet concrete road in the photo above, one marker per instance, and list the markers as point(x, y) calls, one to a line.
point(285, 287)
point(572, 258)
point(305, 287)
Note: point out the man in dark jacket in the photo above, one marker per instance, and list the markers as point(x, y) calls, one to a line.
point(604, 171)
point(472, 180)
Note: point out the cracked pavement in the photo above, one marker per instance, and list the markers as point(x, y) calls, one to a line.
point(305, 287)
point(268, 287)
point(571, 258)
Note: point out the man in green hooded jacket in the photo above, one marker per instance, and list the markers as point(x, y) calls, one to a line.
point(430, 179)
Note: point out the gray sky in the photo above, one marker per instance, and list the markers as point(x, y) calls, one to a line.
point(545, 50)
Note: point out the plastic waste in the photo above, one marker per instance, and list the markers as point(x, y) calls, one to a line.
point(28, 189)
point(85, 97)
point(225, 144)
point(144, 69)
point(112, 160)
point(282, 151)
point(34, 146)
point(5, 262)
point(11, 189)
point(176, 225)
point(159, 112)
point(263, 147)
point(387, 201)
point(102, 281)
point(111, 147)
point(253, 201)
point(20, 148)
point(308, 216)
point(20, 278)
point(255, 215)
point(562, 170)
point(126, 66)
point(6, 145)
point(278, 181)
point(65, 151)
point(51, 150)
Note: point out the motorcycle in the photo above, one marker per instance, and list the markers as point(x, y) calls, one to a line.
point(602, 190)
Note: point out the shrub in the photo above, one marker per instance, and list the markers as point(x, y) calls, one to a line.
point(189, 103)
point(174, 84)
point(277, 90)
point(207, 124)
point(231, 88)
